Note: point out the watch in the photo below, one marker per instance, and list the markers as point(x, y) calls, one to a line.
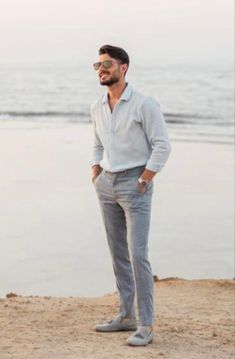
point(143, 182)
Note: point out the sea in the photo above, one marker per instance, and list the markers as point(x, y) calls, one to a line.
point(197, 100)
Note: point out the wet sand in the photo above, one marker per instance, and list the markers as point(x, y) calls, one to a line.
point(51, 231)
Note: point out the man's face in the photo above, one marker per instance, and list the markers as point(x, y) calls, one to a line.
point(113, 74)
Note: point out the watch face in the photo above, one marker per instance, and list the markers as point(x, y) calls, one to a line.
point(143, 182)
point(142, 185)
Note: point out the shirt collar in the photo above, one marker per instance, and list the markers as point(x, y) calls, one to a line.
point(125, 95)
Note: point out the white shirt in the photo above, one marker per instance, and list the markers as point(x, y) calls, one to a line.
point(134, 134)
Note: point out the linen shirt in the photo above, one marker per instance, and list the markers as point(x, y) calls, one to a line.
point(133, 134)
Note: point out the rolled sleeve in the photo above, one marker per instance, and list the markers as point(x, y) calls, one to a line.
point(98, 149)
point(154, 126)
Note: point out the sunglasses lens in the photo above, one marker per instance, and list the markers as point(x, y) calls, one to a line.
point(96, 65)
point(107, 64)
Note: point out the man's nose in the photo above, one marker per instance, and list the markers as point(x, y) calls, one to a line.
point(101, 68)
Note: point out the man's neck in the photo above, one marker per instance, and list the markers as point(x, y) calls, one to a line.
point(116, 90)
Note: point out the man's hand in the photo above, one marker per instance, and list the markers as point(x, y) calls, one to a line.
point(146, 177)
point(96, 169)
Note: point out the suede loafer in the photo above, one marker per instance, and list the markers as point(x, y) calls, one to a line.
point(117, 325)
point(142, 337)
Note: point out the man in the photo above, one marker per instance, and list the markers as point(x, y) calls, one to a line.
point(130, 146)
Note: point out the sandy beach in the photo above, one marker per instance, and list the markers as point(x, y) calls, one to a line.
point(194, 320)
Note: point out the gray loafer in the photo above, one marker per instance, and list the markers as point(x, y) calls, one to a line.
point(143, 336)
point(116, 325)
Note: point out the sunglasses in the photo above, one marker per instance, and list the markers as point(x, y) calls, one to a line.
point(106, 64)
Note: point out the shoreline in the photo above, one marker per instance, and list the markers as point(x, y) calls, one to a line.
point(156, 279)
point(194, 320)
point(188, 136)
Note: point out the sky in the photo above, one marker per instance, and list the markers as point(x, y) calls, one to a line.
point(150, 30)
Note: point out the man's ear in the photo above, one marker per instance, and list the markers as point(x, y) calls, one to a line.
point(124, 68)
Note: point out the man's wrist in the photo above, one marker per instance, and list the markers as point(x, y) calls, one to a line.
point(147, 175)
point(96, 166)
point(96, 170)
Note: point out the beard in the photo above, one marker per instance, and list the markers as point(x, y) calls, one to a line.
point(110, 81)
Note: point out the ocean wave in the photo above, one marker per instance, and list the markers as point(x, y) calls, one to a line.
point(84, 116)
point(33, 114)
point(185, 117)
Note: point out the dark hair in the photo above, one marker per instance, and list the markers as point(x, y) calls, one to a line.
point(116, 53)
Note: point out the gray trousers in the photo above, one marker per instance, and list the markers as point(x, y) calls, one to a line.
point(126, 215)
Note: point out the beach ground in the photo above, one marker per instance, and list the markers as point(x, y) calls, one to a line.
point(194, 320)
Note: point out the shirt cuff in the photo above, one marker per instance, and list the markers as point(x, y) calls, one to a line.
point(93, 163)
point(152, 167)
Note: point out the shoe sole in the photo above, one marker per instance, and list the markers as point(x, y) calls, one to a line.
point(141, 345)
point(116, 330)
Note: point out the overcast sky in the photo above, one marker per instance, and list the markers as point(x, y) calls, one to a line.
point(150, 30)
